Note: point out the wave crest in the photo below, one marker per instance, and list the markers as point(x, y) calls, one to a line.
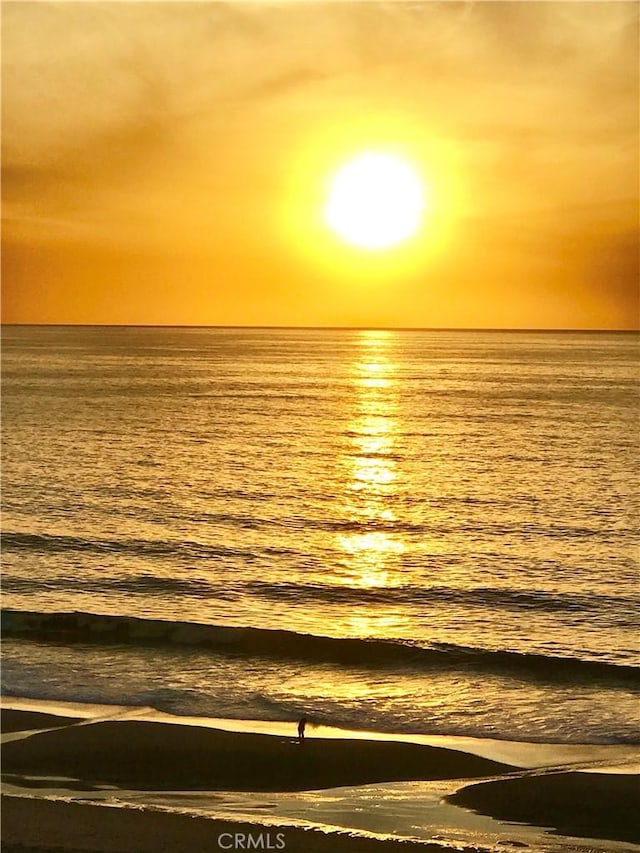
point(309, 648)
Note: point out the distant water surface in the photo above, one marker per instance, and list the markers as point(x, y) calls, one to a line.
point(471, 494)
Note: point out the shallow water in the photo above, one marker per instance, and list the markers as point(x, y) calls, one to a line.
point(407, 809)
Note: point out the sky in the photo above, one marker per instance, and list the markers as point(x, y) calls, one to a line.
point(169, 163)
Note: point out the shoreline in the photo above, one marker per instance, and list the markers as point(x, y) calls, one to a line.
point(109, 753)
point(143, 755)
point(610, 758)
point(586, 805)
point(40, 826)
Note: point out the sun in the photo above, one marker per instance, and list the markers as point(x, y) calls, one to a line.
point(375, 201)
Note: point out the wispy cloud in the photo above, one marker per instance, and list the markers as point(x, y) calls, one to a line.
point(147, 122)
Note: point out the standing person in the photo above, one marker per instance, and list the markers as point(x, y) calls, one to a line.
point(301, 727)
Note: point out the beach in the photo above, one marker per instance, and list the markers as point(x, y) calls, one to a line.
point(44, 826)
point(320, 373)
point(95, 760)
point(397, 535)
point(579, 804)
point(150, 756)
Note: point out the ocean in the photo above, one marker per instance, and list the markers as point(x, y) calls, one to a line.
point(403, 531)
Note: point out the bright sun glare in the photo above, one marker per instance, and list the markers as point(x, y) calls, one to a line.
point(375, 201)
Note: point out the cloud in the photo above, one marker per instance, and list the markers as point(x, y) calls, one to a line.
point(130, 122)
point(74, 70)
point(613, 268)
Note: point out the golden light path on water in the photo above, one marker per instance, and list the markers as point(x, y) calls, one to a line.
point(371, 479)
point(372, 467)
point(375, 481)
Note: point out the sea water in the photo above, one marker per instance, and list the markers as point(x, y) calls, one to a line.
point(409, 531)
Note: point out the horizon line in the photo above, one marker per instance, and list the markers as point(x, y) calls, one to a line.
point(325, 328)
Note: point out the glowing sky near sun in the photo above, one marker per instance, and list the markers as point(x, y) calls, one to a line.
point(172, 162)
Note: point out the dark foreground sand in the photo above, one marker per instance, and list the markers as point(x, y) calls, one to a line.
point(41, 826)
point(159, 756)
point(20, 721)
point(586, 805)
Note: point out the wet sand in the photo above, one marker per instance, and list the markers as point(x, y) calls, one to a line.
point(586, 805)
point(41, 826)
point(19, 721)
point(159, 756)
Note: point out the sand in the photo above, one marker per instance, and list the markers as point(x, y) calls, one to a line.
point(159, 756)
point(19, 721)
point(41, 826)
point(586, 805)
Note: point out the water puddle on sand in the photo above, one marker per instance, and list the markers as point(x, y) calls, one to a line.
point(402, 809)
point(412, 810)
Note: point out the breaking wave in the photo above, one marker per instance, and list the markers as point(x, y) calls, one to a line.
point(279, 644)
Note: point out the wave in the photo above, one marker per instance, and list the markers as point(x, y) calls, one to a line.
point(52, 544)
point(262, 396)
point(493, 597)
point(149, 585)
point(309, 648)
point(621, 610)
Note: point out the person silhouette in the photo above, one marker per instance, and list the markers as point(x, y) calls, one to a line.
point(301, 727)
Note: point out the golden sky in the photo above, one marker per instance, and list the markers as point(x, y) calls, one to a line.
point(168, 163)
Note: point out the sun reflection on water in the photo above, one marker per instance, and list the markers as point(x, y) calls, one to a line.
point(371, 463)
point(366, 554)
